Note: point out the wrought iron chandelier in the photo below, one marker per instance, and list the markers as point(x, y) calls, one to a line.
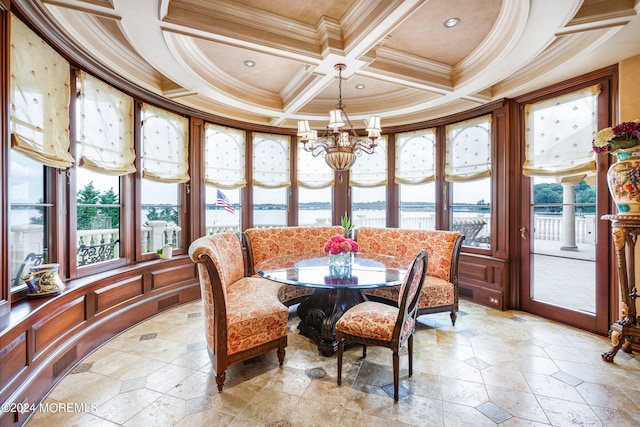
point(338, 146)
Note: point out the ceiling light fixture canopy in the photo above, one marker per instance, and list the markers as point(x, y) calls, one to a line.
point(339, 146)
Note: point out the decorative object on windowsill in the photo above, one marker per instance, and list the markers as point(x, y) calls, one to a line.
point(339, 146)
point(623, 177)
point(165, 252)
point(43, 280)
point(339, 250)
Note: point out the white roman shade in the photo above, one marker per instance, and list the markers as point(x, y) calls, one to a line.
point(370, 170)
point(559, 134)
point(468, 155)
point(313, 172)
point(271, 160)
point(224, 157)
point(105, 127)
point(415, 157)
point(39, 99)
point(165, 145)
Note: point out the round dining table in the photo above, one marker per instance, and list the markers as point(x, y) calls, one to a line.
point(335, 288)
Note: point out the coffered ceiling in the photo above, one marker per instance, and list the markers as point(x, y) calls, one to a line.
point(412, 67)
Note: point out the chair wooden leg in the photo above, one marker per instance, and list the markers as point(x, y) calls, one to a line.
point(454, 316)
point(396, 374)
point(220, 378)
point(364, 351)
point(410, 351)
point(340, 350)
point(281, 352)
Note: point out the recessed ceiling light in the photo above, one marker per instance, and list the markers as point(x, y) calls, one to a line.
point(249, 63)
point(451, 22)
point(360, 86)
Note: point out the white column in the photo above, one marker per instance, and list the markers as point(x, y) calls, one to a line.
point(568, 217)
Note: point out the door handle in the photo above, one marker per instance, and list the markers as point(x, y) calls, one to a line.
point(523, 233)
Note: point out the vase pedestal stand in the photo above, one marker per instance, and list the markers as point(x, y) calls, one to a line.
point(625, 332)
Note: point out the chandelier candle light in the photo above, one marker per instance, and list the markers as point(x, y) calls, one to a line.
point(338, 146)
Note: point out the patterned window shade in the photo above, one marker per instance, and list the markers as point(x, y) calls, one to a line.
point(271, 161)
point(559, 134)
point(468, 156)
point(105, 127)
point(415, 157)
point(224, 157)
point(165, 145)
point(313, 172)
point(39, 96)
point(370, 170)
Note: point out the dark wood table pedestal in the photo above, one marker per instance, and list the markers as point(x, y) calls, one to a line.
point(320, 312)
point(625, 331)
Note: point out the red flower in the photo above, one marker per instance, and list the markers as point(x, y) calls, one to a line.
point(338, 244)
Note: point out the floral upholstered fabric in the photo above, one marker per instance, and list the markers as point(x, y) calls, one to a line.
point(271, 242)
point(435, 292)
point(439, 245)
point(225, 251)
point(372, 320)
point(255, 315)
point(268, 243)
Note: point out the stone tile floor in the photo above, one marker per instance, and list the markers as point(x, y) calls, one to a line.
point(493, 368)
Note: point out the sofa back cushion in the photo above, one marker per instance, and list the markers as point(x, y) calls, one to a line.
point(439, 245)
point(265, 243)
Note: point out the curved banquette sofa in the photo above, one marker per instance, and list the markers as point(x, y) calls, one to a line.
point(439, 294)
point(440, 290)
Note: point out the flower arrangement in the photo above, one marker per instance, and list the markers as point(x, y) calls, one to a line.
point(623, 135)
point(340, 245)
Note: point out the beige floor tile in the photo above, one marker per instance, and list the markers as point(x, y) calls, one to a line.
point(511, 365)
point(518, 404)
point(563, 413)
point(167, 377)
point(464, 416)
point(462, 392)
point(120, 408)
point(165, 411)
point(511, 379)
point(86, 387)
point(267, 406)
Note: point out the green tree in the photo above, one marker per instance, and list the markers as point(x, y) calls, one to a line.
point(165, 214)
point(109, 197)
point(89, 195)
point(585, 194)
point(548, 193)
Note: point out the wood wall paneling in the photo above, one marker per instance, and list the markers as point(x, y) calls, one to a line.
point(121, 292)
point(13, 360)
point(482, 280)
point(173, 275)
point(58, 324)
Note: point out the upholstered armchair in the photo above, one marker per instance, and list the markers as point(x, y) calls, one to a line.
point(265, 243)
point(243, 315)
point(374, 323)
point(440, 291)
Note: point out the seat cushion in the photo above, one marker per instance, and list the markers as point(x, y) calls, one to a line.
point(371, 320)
point(435, 292)
point(255, 315)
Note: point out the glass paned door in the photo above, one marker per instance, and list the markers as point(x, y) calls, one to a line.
point(563, 243)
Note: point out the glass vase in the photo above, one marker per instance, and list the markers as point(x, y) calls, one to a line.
point(340, 260)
